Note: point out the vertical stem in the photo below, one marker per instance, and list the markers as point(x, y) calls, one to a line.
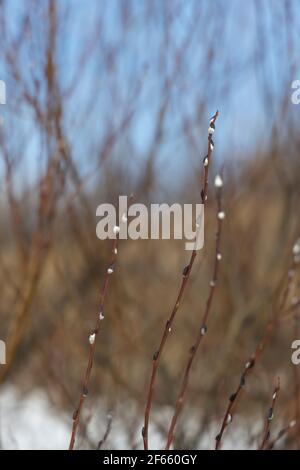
point(186, 276)
point(203, 326)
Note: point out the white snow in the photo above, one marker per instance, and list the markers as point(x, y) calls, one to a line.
point(30, 421)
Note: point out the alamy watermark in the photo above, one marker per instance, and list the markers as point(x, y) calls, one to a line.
point(296, 354)
point(2, 92)
point(161, 221)
point(295, 97)
point(2, 352)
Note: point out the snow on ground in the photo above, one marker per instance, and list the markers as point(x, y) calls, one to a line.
point(31, 422)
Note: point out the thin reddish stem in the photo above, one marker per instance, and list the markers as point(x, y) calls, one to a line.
point(186, 276)
point(92, 345)
point(251, 363)
point(269, 417)
point(203, 326)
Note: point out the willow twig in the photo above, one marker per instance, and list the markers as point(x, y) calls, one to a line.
point(186, 275)
point(269, 417)
point(93, 336)
point(251, 363)
point(283, 432)
point(203, 324)
point(107, 430)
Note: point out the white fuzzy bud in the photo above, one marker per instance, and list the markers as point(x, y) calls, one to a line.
point(229, 418)
point(101, 316)
point(219, 256)
point(296, 248)
point(203, 330)
point(92, 338)
point(211, 130)
point(292, 424)
point(221, 215)
point(206, 161)
point(124, 218)
point(116, 229)
point(110, 270)
point(218, 181)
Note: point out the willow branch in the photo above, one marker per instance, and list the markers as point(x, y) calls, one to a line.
point(251, 363)
point(203, 324)
point(186, 275)
point(269, 417)
point(93, 336)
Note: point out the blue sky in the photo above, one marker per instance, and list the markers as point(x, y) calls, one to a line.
point(254, 55)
